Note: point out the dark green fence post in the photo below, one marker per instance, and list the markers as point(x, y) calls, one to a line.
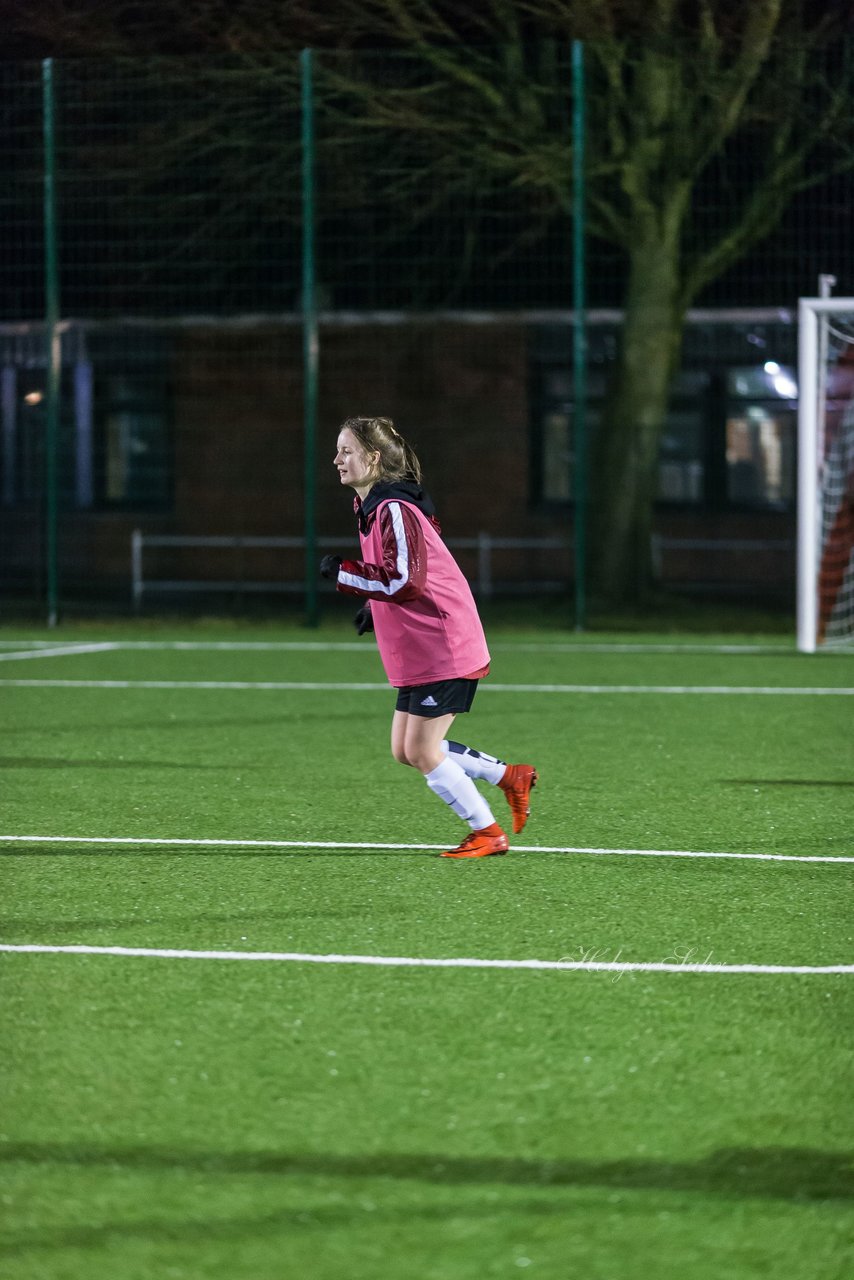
point(579, 333)
point(53, 354)
point(309, 339)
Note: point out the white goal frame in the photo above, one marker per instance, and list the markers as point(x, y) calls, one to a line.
point(812, 344)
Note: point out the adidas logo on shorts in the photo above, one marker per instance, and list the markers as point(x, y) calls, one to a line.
point(429, 701)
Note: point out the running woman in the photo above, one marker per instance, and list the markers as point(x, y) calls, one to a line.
point(428, 632)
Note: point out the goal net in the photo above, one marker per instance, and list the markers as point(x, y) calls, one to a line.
point(826, 473)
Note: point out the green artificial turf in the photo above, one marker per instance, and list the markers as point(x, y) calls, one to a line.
point(207, 1118)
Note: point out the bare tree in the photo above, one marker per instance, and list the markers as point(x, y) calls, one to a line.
point(672, 103)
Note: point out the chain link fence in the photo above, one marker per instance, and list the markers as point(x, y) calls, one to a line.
point(442, 290)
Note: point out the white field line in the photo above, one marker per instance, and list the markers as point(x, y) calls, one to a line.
point(373, 686)
point(361, 646)
point(419, 962)
point(625, 647)
point(60, 651)
point(43, 644)
point(343, 844)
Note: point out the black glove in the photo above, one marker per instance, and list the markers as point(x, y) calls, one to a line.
point(329, 567)
point(363, 620)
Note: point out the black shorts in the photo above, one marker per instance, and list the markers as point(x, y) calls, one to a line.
point(442, 698)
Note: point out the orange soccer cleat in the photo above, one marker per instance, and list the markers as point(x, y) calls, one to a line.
point(481, 844)
point(516, 784)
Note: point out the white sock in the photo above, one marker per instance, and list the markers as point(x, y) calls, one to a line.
point(477, 764)
point(449, 782)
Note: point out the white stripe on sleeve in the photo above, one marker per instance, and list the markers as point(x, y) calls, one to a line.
point(395, 584)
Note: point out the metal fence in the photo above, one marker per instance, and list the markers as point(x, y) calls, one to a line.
point(163, 305)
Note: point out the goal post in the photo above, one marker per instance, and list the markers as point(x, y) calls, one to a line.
point(825, 559)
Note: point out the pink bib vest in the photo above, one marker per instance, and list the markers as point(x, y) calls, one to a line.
point(438, 635)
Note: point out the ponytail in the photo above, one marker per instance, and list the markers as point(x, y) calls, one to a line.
point(398, 460)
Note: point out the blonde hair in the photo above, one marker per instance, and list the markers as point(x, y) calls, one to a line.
point(398, 460)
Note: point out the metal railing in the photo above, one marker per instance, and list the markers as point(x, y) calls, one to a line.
point(484, 544)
